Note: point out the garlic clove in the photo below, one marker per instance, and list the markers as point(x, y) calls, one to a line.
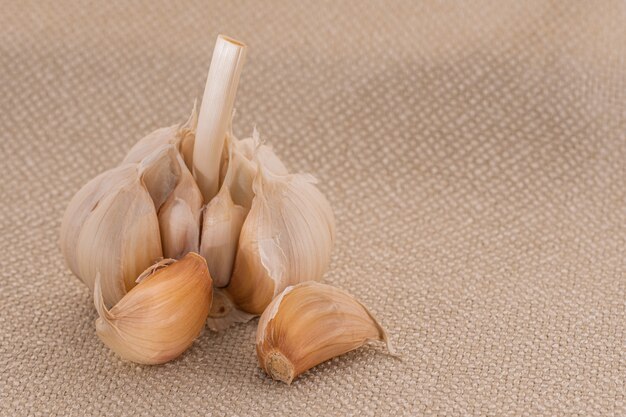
point(161, 317)
point(286, 238)
point(81, 206)
point(179, 217)
point(111, 225)
point(310, 323)
point(221, 226)
point(119, 240)
point(161, 172)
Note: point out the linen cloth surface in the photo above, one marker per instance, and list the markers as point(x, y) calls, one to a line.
point(474, 154)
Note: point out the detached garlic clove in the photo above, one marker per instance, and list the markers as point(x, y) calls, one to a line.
point(286, 238)
point(179, 217)
point(111, 224)
point(310, 323)
point(162, 316)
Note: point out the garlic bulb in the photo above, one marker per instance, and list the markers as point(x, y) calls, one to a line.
point(162, 316)
point(286, 238)
point(194, 188)
point(308, 324)
point(111, 224)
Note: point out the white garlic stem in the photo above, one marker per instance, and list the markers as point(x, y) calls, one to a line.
point(215, 113)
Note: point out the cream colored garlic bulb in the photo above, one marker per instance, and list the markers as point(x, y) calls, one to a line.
point(111, 225)
point(286, 238)
point(310, 323)
point(160, 317)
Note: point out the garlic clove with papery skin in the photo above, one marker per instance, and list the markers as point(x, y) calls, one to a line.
point(179, 217)
point(286, 238)
point(221, 226)
point(310, 323)
point(161, 317)
point(111, 224)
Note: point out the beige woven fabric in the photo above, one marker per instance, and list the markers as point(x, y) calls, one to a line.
point(474, 154)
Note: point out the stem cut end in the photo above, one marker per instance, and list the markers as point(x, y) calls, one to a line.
point(279, 367)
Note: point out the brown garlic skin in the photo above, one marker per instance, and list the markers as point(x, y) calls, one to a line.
point(308, 324)
point(161, 316)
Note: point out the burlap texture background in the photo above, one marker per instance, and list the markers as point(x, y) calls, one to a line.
point(474, 153)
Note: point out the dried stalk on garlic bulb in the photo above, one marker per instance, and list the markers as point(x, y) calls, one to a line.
point(111, 225)
point(215, 113)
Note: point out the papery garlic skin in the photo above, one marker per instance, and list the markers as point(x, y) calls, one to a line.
point(111, 225)
point(161, 317)
point(308, 324)
point(245, 156)
point(149, 143)
point(286, 238)
point(182, 136)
